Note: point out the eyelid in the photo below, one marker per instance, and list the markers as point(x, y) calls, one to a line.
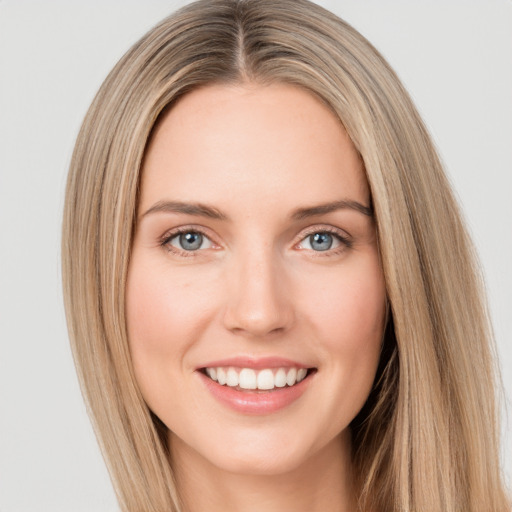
point(344, 238)
point(191, 228)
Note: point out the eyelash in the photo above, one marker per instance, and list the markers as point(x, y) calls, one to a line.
point(344, 240)
point(165, 240)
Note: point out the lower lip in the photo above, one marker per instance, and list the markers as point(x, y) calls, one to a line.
point(256, 402)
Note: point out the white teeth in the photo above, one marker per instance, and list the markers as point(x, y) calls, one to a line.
point(265, 379)
point(247, 378)
point(291, 376)
point(301, 373)
point(232, 378)
point(221, 376)
point(280, 378)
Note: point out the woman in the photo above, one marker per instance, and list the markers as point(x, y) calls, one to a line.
point(271, 296)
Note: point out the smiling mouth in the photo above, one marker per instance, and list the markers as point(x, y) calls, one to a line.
point(248, 379)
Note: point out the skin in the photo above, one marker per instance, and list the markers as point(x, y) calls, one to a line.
point(256, 288)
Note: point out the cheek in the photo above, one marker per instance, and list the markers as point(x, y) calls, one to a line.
point(164, 308)
point(148, 306)
point(349, 305)
point(164, 316)
point(348, 313)
point(146, 303)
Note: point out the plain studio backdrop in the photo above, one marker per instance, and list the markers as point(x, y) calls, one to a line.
point(455, 58)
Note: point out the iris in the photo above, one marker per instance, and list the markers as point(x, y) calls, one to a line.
point(191, 241)
point(321, 241)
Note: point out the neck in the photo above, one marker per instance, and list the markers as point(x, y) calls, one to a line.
point(322, 483)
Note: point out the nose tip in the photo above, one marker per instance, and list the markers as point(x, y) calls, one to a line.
point(255, 320)
point(258, 302)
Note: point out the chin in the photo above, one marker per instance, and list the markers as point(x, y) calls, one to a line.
point(260, 462)
point(261, 453)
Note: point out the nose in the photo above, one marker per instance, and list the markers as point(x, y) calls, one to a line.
point(258, 302)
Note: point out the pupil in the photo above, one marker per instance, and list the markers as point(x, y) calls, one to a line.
point(191, 241)
point(321, 241)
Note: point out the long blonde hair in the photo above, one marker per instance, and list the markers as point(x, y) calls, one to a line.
point(427, 439)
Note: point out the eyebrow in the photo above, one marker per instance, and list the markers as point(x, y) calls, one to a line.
point(202, 210)
point(197, 209)
point(322, 209)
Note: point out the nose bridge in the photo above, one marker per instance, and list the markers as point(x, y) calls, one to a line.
point(258, 303)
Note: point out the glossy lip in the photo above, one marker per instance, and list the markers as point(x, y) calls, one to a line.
point(256, 402)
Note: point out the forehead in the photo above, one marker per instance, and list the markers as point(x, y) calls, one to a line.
point(255, 141)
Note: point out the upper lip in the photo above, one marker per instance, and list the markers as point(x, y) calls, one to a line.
point(258, 363)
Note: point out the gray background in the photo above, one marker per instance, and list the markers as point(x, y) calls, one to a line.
point(455, 57)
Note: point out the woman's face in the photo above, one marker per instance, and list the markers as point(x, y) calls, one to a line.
point(255, 262)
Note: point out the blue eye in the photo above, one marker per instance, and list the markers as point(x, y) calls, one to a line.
point(189, 241)
point(321, 241)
